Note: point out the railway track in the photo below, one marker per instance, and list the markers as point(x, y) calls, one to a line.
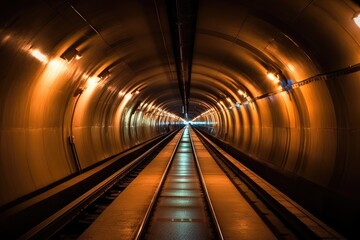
point(86, 216)
point(70, 221)
point(285, 218)
point(188, 203)
point(181, 207)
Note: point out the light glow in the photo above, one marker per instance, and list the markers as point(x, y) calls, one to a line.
point(39, 55)
point(357, 19)
point(291, 67)
point(127, 97)
point(78, 56)
point(55, 67)
point(93, 81)
point(6, 38)
point(272, 76)
point(121, 94)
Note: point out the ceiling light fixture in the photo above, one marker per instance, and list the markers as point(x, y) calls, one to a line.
point(242, 93)
point(135, 92)
point(104, 74)
point(39, 55)
point(93, 81)
point(273, 76)
point(356, 19)
point(71, 54)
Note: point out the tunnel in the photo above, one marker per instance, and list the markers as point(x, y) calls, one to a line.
point(271, 82)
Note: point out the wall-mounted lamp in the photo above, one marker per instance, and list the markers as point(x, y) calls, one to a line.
point(78, 91)
point(273, 76)
point(93, 81)
point(135, 92)
point(356, 19)
point(241, 92)
point(38, 55)
point(104, 74)
point(71, 54)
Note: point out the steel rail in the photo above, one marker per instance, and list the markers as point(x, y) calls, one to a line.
point(144, 222)
point(303, 224)
point(59, 219)
point(206, 193)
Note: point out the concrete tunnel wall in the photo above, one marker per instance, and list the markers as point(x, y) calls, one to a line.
point(311, 132)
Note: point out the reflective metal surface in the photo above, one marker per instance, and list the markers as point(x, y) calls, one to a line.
point(180, 212)
point(125, 88)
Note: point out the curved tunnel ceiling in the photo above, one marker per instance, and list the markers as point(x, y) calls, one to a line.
point(234, 41)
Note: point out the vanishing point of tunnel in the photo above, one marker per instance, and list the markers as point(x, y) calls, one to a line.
point(274, 81)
